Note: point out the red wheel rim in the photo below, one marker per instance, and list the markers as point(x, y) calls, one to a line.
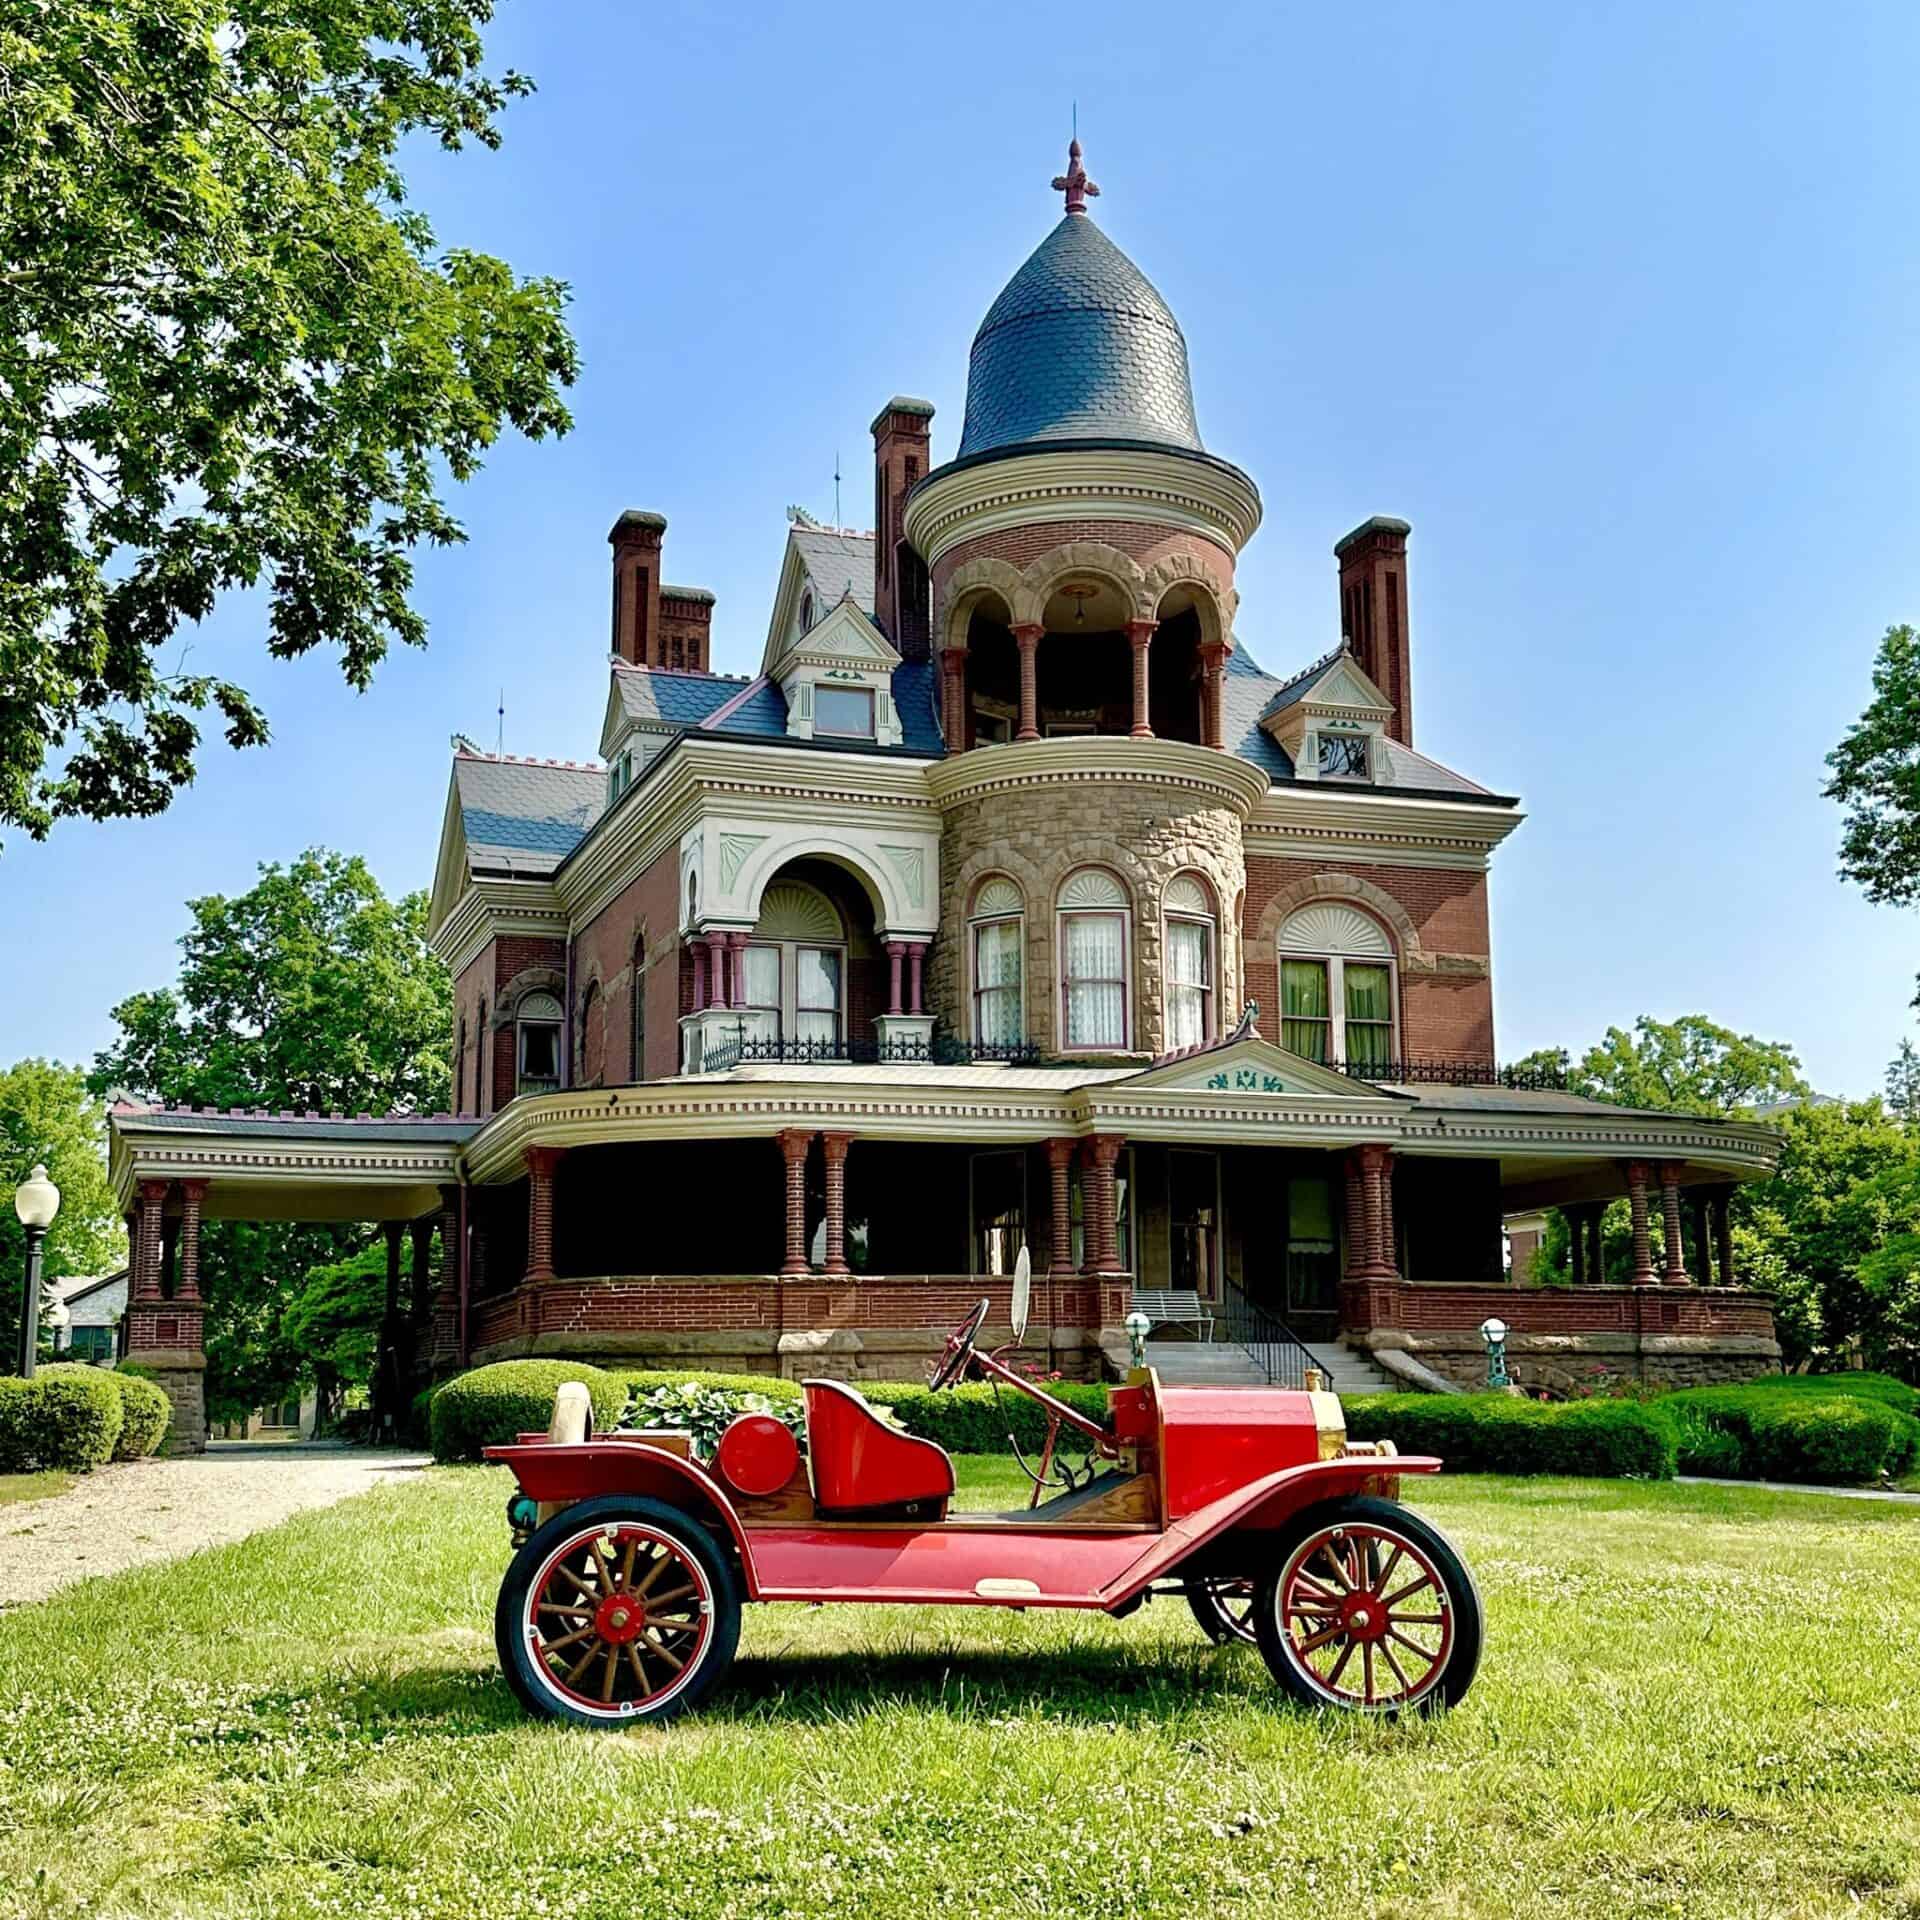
point(1365, 1617)
point(618, 1619)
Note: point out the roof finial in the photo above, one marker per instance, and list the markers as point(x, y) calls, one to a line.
point(1074, 182)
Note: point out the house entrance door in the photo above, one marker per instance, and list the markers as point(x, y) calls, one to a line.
point(1313, 1260)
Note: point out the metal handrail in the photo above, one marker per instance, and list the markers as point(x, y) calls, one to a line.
point(1271, 1344)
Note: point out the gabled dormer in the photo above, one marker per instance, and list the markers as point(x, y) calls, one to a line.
point(837, 679)
point(1332, 722)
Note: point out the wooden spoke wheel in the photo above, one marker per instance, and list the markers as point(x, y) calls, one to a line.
point(1223, 1607)
point(1368, 1607)
point(617, 1610)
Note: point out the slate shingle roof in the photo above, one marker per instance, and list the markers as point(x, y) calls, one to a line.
point(673, 697)
point(836, 557)
point(1079, 346)
point(525, 816)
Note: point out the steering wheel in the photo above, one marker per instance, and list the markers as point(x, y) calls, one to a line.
point(954, 1356)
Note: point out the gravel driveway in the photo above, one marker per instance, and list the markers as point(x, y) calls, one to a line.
point(144, 1510)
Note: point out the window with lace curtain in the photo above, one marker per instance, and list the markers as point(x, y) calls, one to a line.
point(1189, 962)
point(998, 927)
point(1337, 988)
point(1093, 962)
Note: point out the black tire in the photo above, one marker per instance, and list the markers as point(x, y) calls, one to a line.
point(1369, 1527)
point(710, 1622)
point(1223, 1608)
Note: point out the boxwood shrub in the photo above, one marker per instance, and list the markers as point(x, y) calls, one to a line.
point(491, 1405)
point(1832, 1429)
point(967, 1420)
point(66, 1416)
point(1499, 1433)
point(646, 1380)
point(145, 1412)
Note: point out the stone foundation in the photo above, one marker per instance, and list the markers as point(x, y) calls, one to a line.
point(1576, 1363)
point(182, 1377)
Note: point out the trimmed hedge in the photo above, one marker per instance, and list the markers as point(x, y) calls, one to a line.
point(1499, 1433)
point(771, 1384)
point(66, 1416)
point(145, 1412)
point(966, 1419)
point(492, 1405)
point(1809, 1428)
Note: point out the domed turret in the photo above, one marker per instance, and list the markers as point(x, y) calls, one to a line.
point(1079, 347)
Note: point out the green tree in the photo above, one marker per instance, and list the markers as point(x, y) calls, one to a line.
point(311, 991)
point(333, 1319)
point(1903, 1084)
point(1689, 1065)
point(231, 354)
point(1876, 778)
point(48, 1113)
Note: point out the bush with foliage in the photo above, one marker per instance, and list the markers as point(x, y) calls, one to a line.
point(972, 1419)
point(145, 1413)
point(1499, 1433)
point(65, 1416)
point(493, 1405)
point(706, 1412)
point(1828, 1429)
point(772, 1385)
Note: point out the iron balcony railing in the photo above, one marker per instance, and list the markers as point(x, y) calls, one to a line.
point(1272, 1345)
point(868, 1050)
point(1458, 1073)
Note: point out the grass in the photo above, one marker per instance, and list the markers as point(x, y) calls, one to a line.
point(1695, 1700)
point(32, 1486)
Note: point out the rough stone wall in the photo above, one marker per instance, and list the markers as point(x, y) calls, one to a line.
point(1595, 1363)
point(1144, 831)
point(1439, 923)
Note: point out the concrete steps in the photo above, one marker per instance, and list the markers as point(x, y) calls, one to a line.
point(1220, 1363)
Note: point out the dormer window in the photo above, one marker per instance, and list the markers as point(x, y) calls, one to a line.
point(844, 712)
point(1344, 756)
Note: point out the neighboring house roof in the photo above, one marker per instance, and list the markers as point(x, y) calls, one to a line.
point(1079, 346)
point(93, 1300)
point(524, 816)
point(836, 559)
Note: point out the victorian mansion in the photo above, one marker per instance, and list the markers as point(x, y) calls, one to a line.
point(1012, 901)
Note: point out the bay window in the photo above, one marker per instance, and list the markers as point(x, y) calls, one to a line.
point(1093, 962)
point(1337, 988)
point(1189, 963)
point(998, 939)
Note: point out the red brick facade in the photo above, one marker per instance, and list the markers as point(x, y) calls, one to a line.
point(484, 1070)
point(635, 935)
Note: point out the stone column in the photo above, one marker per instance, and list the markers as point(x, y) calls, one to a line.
point(1140, 638)
point(1060, 1249)
point(1213, 667)
point(147, 1251)
point(717, 969)
point(1723, 1237)
point(1026, 636)
point(1637, 1182)
point(1101, 1226)
point(834, 1146)
point(699, 948)
point(193, 1195)
point(953, 697)
point(793, 1148)
point(1670, 1213)
point(896, 954)
point(916, 955)
point(541, 1162)
point(1359, 1261)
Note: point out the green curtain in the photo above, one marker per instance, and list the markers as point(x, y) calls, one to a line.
point(1304, 1008)
point(1369, 1015)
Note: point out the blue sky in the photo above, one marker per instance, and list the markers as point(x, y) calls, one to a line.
point(1617, 304)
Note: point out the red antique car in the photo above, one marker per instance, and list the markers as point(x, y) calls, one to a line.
point(623, 1600)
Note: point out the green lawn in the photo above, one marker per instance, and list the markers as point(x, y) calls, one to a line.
point(32, 1486)
point(1694, 1701)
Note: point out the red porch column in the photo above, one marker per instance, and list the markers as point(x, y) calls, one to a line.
point(1359, 1262)
point(1637, 1182)
point(1670, 1215)
point(916, 954)
point(953, 697)
point(445, 1348)
point(834, 1146)
point(147, 1251)
point(1376, 1167)
point(541, 1161)
point(793, 1148)
point(717, 969)
point(896, 960)
point(1140, 638)
point(1100, 1224)
point(193, 1194)
point(1026, 636)
point(1723, 1237)
point(736, 969)
point(1213, 668)
point(699, 948)
point(1060, 1249)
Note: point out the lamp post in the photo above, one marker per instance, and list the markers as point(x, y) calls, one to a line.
point(1138, 1326)
point(36, 1200)
point(1494, 1333)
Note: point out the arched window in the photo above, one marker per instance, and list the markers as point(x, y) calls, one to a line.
point(796, 966)
point(1190, 958)
point(460, 1069)
point(806, 612)
point(482, 1086)
point(1336, 987)
point(593, 1037)
point(996, 939)
point(538, 1020)
point(1093, 962)
point(637, 1065)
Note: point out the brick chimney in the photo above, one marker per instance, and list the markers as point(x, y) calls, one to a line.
point(636, 540)
point(902, 453)
point(1373, 612)
point(686, 614)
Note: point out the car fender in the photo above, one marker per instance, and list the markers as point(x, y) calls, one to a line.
point(558, 1476)
point(1261, 1504)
